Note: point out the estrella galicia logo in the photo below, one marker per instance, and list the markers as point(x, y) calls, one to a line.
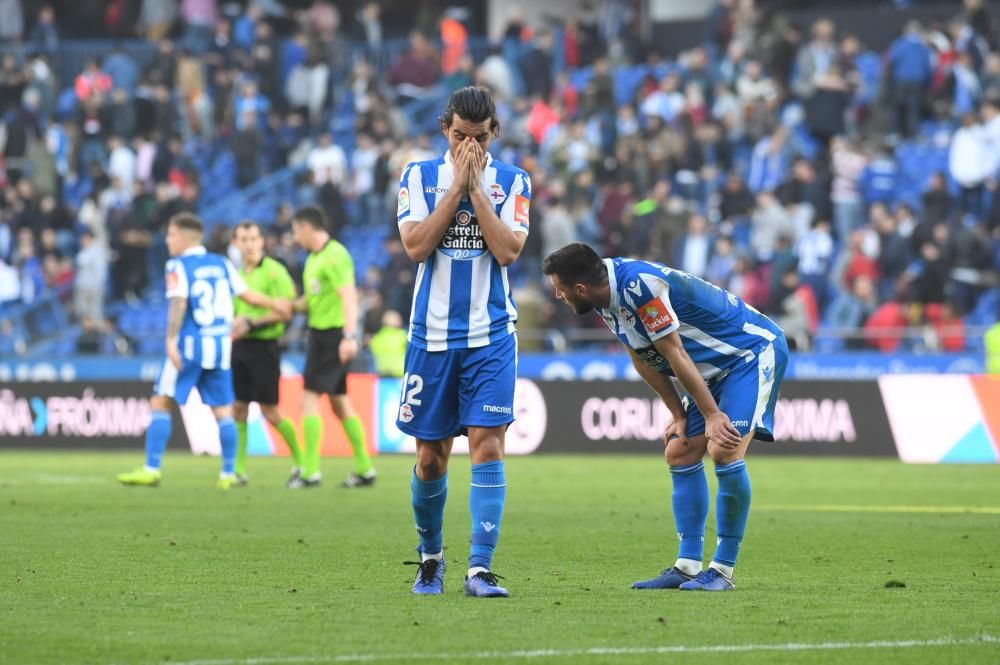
point(464, 239)
point(41, 415)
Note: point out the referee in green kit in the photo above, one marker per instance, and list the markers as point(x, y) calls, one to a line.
point(256, 357)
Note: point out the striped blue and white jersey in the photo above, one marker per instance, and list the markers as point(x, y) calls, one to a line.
point(462, 298)
point(718, 330)
point(209, 282)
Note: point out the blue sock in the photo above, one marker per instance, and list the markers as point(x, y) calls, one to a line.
point(690, 499)
point(157, 436)
point(227, 437)
point(428, 498)
point(732, 505)
point(486, 507)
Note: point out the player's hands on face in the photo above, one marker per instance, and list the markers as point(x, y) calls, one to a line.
point(720, 431)
point(460, 166)
point(676, 430)
point(174, 355)
point(475, 165)
point(348, 349)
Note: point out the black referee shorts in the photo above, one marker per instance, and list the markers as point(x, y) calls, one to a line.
point(324, 372)
point(256, 370)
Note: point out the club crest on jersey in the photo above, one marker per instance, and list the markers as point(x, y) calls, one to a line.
point(496, 194)
point(404, 201)
point(314, 286)
point(655, 315)
point(634, 287)
point(522, 206)
point(405, 413)
point(463, 217)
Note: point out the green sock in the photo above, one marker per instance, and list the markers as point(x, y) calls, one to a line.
point(312, 432)
point(287, 431)
point(356, 435)
point(241, 447)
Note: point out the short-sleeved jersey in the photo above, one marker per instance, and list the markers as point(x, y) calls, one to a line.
point(325, 273)
point(462, 298)
point(208, 282)
point(270, 278)
point(719, 331)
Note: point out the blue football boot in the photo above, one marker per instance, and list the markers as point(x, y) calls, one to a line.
point(484, 585)
point(671, 578)
point(430, 577)
point(709, 580)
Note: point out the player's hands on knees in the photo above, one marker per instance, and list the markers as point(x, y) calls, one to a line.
point(174, 355)
point(348, 349)
point(676, 430)
point(720, 431)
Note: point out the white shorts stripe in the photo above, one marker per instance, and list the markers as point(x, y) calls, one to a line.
point(227, 353)
point(759, 332)
point(208, 351)
point(765, 384)
point(167, 385)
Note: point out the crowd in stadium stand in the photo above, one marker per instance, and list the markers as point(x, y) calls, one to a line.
point(833, 188)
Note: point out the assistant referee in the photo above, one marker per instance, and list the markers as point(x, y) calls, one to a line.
point(256, 357)
point(331, 301)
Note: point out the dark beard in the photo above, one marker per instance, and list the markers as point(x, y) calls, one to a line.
point(582, 308)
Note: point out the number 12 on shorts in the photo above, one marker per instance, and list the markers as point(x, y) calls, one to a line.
point(413, 384)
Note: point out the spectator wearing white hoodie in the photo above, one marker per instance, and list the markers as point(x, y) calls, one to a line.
point(970, 162)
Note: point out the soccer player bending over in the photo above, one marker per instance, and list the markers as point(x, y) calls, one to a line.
point(256, 356)
point(464, 218)
point(730, 360)
point(331, 303)
point(200, 291)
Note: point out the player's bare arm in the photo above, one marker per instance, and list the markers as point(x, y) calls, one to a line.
point(243, 325)
point(663, 386)
point(349, 344)
point(175, 318)
point(422, 238)
point(718, 427)
point(505, 245)
point(282, 308)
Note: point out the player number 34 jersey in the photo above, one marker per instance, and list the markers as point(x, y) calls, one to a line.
point(649, 301)
point(209, 282)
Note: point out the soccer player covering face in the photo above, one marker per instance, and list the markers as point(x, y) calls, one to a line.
point(464, 218)
point(200, 291)
point(730, 360)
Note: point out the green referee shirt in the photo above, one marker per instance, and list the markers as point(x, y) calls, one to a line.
point(326, 271)
point(270, 278)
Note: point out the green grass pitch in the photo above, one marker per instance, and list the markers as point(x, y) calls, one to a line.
point(91, 572)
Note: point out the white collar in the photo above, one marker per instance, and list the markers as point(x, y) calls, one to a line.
point(194, 251)
point(613, 306)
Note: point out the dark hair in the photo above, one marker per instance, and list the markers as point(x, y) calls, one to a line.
point(187, 221)
point(576, 264)
point(312, 216)
point(248, 224)
point(473, 104)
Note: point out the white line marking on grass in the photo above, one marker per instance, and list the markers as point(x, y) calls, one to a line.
point(602, 651)
point(833, 508)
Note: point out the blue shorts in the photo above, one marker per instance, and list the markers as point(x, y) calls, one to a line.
point(446, 392)
point(215, 386)
point(747, 395)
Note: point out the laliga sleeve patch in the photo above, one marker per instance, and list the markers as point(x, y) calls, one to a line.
point(172, 281)
point(655, 316)
point(522, 206)
point(404, 201)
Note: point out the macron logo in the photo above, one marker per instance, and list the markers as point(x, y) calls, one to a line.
point(506, 410)
point(487, 526)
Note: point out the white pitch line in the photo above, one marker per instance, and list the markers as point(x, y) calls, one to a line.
point(838, 508)
point(601, 651)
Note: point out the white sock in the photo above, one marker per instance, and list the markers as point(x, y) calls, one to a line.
point(688, 566)
point(722, 568)
point(437, 557)
point(475, 571)
point(150, 469)
point(223, 474)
